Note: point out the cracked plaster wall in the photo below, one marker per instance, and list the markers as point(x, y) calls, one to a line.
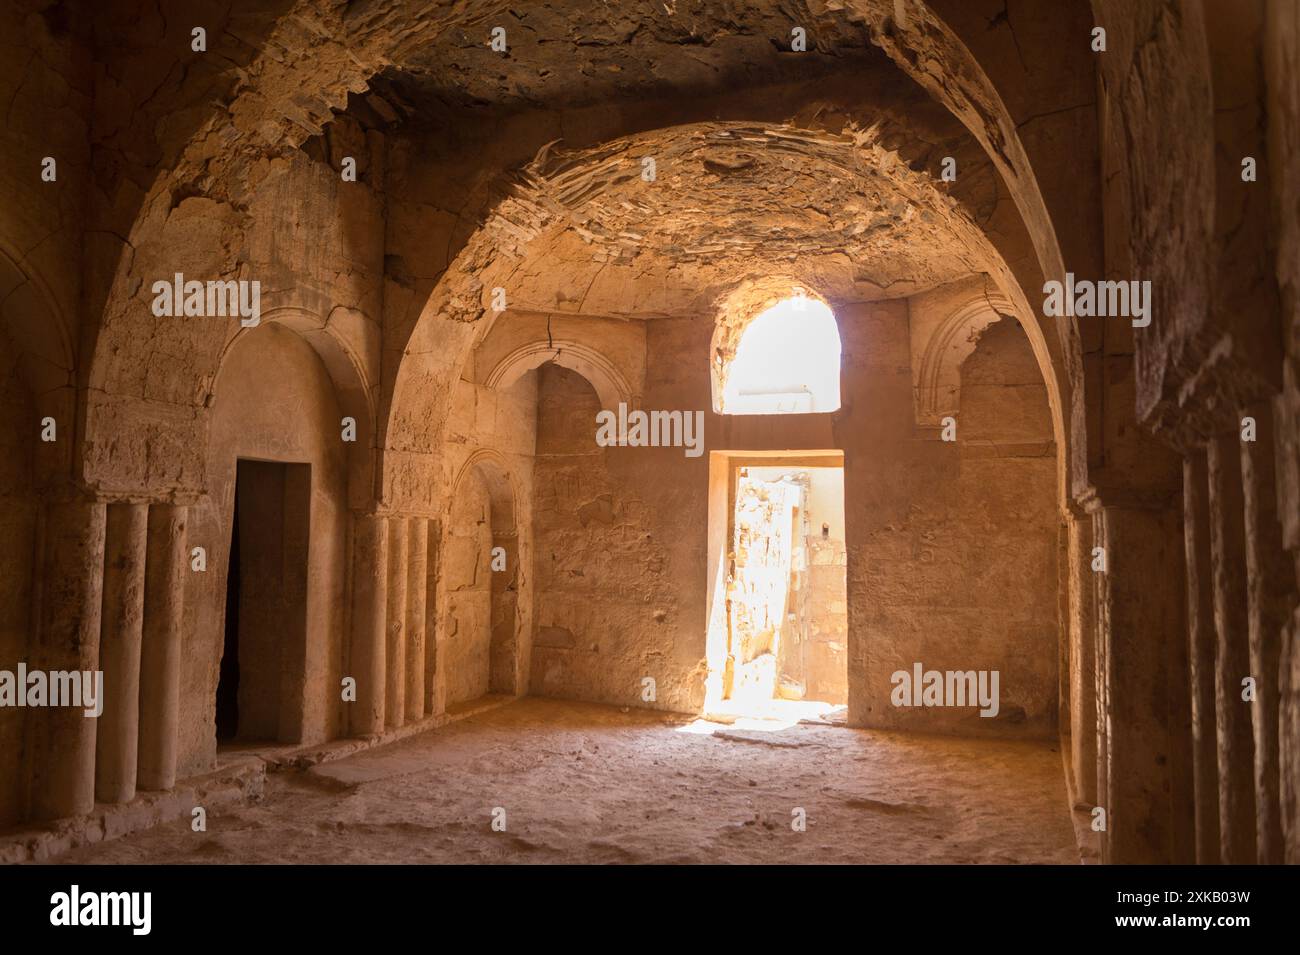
point(621, 564)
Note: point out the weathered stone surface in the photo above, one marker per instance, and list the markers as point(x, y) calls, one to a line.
point(438, 333)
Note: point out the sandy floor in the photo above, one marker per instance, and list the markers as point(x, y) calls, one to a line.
point(584, 783)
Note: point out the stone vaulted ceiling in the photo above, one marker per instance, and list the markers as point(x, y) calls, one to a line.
point(730, 201)
point(562, 53)
point(814, 184)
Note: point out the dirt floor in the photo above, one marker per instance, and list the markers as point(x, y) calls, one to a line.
point(587, 783)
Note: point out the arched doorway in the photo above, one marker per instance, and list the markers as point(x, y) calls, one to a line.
point(482, 571)
point(269, 625)
point(778, 634)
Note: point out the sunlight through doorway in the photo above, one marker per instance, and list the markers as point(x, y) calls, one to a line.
point(780, 640)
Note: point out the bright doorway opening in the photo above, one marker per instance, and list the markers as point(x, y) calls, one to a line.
point(778, 634)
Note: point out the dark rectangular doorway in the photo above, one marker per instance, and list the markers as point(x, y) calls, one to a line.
point(260, 687)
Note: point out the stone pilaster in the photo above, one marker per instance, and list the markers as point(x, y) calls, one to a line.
point(1083, 661)
point(118, 734)
point(395, 630)
point(1270, 600)
point(369, 607)
point(160, 654)
point(1235, 733)
point(1146, 705)
point(71, 605)
point(1202, 650)
point(417, 560)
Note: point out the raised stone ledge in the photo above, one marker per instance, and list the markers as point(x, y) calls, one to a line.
point(241, 779)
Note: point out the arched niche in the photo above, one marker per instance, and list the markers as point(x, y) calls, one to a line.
point(941, 343)
point(610, 384)
point(275, 522)
point(491, 467)
point(484, 595)
point(346, 371)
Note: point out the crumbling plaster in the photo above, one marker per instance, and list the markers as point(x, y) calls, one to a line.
point(525, 173)
point(264, 86)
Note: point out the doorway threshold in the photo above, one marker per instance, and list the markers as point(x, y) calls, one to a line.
point(773, 715)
